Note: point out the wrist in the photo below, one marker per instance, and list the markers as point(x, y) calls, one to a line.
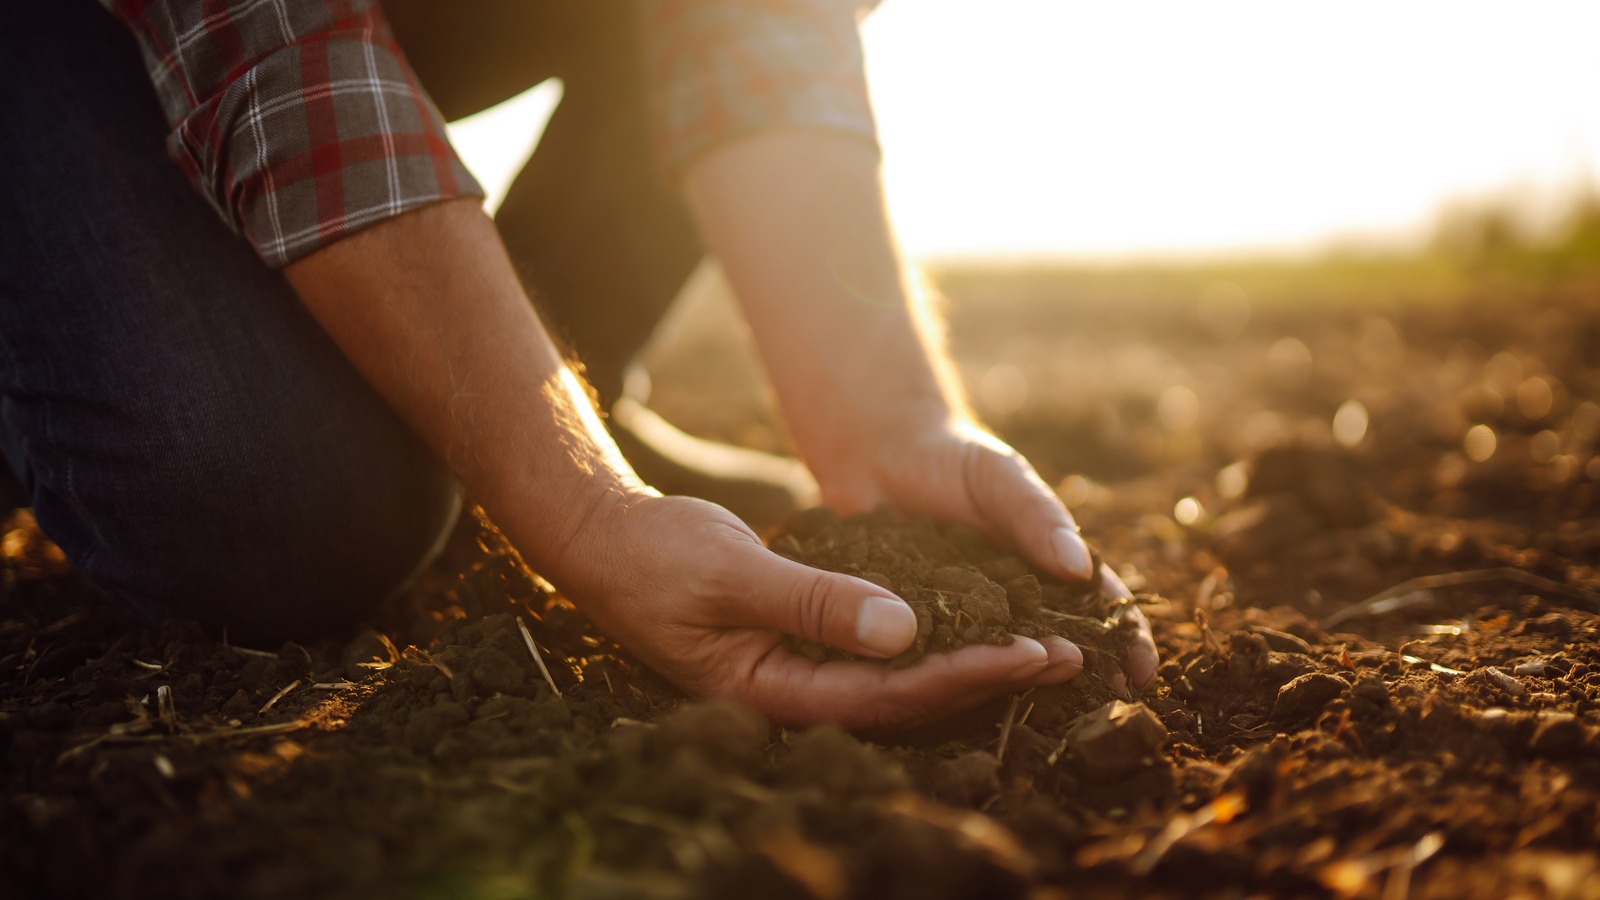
point(551, 496)
point(564, 536)
point(871, 468)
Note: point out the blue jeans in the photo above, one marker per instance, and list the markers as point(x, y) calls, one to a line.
point(177, 420)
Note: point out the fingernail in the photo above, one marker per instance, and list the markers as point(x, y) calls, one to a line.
point(1062, 653)
point(1141, 658)
point(1072, 552)
point(885, 625)
point(1028, 671)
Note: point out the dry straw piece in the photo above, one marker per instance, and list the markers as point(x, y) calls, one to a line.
point(527, 637)
point(1005, 727)
point(278, 696)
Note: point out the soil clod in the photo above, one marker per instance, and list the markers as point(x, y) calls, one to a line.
point(963, 589)
point(1306, 696)
point(1115, 739)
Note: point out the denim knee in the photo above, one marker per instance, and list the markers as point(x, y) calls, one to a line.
point(179, 422)
point(266, 538)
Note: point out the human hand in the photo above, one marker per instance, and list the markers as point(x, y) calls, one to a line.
point(957, 472)
point(798, 221)
point(692, 591)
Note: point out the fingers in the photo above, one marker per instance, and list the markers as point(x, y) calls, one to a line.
point(793, 690)
point(1014, 501)
point(848, 613)
point(1065, 661)
point(1142, 657)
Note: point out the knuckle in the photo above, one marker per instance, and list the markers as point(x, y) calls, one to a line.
point(719, 572)
point(974, 473)
point(726, 561)
point(812, 603)
point(724, 568)
point(985, 473)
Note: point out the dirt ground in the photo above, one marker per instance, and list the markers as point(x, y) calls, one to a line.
point(1361, 510)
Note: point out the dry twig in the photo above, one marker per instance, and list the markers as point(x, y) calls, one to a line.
point(198, 737)
point(1208, 588)
point(278, 696)
point(1005, 727)
point(166, 710)
point(1353, 877)
point(1221, 810)
point(418, 655)
point(527, 637)
point(1432, 666)
point(1208, 639)
point(1380, 603)
point(259, 654)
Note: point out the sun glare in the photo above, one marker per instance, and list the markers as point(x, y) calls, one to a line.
point(496, 142)
point(1042, 127)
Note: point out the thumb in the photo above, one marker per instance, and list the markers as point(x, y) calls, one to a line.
point(849, 613)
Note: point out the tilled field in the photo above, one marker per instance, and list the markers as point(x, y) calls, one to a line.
point(1367, 534)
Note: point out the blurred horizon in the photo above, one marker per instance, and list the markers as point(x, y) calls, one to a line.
point(1048, 131)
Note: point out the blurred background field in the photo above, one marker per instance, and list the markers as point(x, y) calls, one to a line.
point(1117, 368)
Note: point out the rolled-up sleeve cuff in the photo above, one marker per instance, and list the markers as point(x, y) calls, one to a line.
point(724, 69)
point(318, 140)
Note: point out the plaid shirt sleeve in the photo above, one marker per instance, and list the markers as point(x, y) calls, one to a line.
point(722, 69)
point(299, 121)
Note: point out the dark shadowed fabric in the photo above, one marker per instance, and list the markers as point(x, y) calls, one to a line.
point(181, 426)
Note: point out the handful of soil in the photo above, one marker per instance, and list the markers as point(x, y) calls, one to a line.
point(963, 588)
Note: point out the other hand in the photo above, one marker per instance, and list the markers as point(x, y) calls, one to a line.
point(958, 472)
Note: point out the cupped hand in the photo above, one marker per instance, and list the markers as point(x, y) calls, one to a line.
point(690, 589)
point(958, 472)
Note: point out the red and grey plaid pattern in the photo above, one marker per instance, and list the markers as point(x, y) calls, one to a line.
point(726, 68)
point(301, 122)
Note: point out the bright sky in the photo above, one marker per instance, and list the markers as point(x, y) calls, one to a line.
point(1060, 127)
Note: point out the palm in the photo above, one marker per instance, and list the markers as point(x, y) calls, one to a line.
point(692, 591)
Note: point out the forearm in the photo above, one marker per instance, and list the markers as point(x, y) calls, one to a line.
point(429, 310)
point(798, 222)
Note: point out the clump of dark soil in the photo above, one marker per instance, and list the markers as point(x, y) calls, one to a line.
point(963, 588)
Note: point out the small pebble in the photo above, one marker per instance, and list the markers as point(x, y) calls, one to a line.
point(1503, 681)
point(1116, 739)
point(1282, 641)
point(1306, 696)
point(1557, 734)
point(1372, 689)
point(968, 779)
